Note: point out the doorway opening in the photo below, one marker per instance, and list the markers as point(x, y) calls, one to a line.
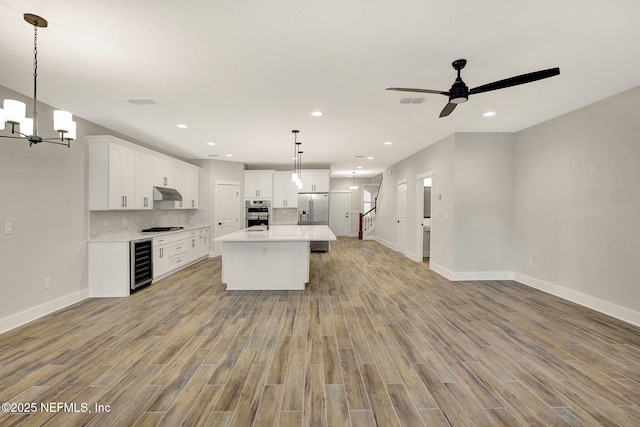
point(424, 183)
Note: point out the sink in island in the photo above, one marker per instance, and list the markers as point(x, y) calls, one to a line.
point(275, 259)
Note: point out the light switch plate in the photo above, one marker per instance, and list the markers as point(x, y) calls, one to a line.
point(8, 227)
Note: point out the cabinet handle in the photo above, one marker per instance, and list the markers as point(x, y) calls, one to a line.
point(125, 201)
point(193, 203)
point(146, 202)
point(165, 180)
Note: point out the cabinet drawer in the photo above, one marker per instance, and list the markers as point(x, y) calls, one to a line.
point(176, 261)
point(176, 248)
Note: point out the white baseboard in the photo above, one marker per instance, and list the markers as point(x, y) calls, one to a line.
point(384, 242)
point(481, 275)
point(440, 270)
point(597, 304)
point(34, 313)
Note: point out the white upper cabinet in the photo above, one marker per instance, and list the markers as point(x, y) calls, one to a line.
point(112, 174)
point(285, 192)
point(258, 184)
point(191, 198)
point(122, 175)
point(315, 181)
point(164, 173)
point(144, 181)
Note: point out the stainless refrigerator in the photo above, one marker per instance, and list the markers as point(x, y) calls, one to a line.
point(313, 209)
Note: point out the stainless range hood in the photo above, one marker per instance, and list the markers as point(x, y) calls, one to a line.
point(166, 194)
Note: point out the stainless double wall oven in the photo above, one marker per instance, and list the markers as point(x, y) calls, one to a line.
point(257, 212)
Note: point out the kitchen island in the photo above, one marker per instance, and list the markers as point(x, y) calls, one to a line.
point(277, 258)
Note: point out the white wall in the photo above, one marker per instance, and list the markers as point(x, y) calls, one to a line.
point(483, 210)
point(563, 195)
point(577, 205)
point(437, 158)
point(44, 195)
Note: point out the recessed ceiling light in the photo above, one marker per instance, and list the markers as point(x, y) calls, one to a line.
point(387, 143)
point(370, 158)
point(182, 126)
point(211, 143)
point(359, 167)
point(229, 155)
point(489, 114)
point(316, 113)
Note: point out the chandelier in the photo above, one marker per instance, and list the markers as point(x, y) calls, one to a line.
point(296, 175)
point(14, 112)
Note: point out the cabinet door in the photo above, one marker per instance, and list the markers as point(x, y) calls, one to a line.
point(285, 192)
point(192, 192)
point(265, 185)
point(180, 184)
point(250, 184)
point(122, 175)
point(280, 189)
point(322, 182)
point(144, 181)
point(163, 173)
point(159, 261)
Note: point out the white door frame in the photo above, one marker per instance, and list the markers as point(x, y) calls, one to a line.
point(406, 210)
point(419, 213)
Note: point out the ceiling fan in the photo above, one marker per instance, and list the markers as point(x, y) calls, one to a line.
point(459, 92)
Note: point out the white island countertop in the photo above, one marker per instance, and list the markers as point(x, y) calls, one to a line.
point(280, 233)
point(281, 256)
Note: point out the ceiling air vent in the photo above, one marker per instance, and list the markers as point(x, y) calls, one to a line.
point(358, 157)
point(141, 101)
point(411, 100)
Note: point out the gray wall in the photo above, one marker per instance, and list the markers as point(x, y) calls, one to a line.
point(577, 204)
point(437, 158)
point(554, 206)
point(483, 210)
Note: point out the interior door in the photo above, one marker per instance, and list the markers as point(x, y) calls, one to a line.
point(339, 213)
point(227, 208)
point(401, 217)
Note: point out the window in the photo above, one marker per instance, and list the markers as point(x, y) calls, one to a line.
point(367, 200)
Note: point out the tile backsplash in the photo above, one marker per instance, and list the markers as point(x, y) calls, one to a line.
point(115, 223)
point(284, 216)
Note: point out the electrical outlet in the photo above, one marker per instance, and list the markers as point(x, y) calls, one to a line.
point(530, 262)
point(8, 227)
point(47, 283)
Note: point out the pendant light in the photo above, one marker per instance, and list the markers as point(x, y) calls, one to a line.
point(296, 175)
point(14, 112)
point(353, 185)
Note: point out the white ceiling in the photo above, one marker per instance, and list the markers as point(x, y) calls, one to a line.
point(244, 73)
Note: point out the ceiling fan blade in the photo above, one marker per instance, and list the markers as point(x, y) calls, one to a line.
point(448, 109)
point(517, 80)
point(406, 89)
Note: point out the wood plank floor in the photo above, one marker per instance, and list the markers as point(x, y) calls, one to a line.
point(375, 339)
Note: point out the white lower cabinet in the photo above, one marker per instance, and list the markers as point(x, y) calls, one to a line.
point(109, 261)
point(176, 250)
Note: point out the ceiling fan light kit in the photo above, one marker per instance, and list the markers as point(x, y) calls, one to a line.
point(14, 112)
point(459, 92)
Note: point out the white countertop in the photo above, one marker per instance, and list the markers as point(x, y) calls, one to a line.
point(280, 233)
point(130, 237)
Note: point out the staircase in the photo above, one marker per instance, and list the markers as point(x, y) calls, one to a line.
point(368, 219)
